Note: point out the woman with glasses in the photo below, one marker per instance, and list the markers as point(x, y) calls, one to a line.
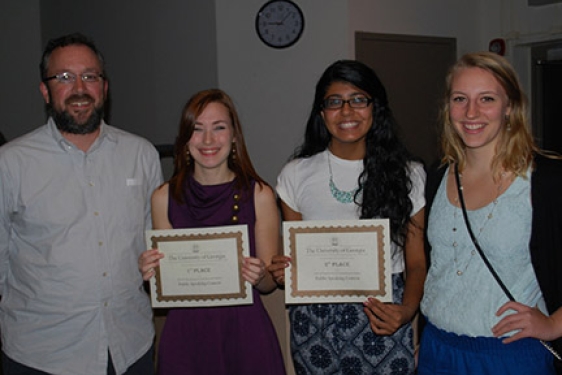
point(351, 165)
point(215, 184)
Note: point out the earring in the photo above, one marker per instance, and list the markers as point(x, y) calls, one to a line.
point(508, 127)
point(233, 151)
point(187, 157)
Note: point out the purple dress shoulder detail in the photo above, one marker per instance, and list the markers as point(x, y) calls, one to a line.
point(218, 340)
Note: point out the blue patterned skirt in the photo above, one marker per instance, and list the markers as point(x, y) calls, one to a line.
point(337, 339)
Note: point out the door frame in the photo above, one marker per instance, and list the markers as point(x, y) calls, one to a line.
point(413, 69)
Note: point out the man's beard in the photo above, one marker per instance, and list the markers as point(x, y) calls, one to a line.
point(68, 124)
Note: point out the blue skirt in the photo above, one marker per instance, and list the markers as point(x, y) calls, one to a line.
point(444, 353)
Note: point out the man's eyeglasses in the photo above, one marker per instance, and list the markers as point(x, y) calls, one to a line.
point(355, 102)
point(68, 78)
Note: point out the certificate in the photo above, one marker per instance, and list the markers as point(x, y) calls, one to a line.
point(201, 267)
point(337, 261)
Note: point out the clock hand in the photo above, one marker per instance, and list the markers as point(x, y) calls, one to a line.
point(280, 23)
point(284, 18)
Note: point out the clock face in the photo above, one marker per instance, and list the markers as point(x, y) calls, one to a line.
point(279, 23)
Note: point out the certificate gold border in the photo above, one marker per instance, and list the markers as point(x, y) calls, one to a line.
point(377, 229)
point(237, 235)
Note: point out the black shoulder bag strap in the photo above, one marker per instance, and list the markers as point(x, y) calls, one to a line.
point(475, 241)
point(483, 256)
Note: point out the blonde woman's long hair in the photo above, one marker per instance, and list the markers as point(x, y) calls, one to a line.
point(516, 147)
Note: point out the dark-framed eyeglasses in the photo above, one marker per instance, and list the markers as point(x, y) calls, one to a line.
point(68, 77)
point(355, 102)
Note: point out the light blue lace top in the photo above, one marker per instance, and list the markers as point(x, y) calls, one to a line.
point(467, 303)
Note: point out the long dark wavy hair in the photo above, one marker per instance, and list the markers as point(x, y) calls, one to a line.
point(241, 165)
point(385, 182)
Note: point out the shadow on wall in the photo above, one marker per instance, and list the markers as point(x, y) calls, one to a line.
point(166, 159)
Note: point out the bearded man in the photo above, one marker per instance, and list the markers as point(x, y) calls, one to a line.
point(74, 204)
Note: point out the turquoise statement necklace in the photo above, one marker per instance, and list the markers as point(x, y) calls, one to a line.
point(340, 195)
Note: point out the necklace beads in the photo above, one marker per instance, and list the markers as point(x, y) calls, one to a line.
point(341, 196)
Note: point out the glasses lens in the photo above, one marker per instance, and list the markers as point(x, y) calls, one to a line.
point(66, 77)
point(359, 102)
point(91, 77)
point(333, 103)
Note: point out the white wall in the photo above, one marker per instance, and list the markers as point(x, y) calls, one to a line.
point(520, 20)
point(272, 88)
point(467, 20)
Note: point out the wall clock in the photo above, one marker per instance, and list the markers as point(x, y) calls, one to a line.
point(279, 23)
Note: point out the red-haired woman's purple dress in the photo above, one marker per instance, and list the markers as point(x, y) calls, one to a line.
point(218, 340)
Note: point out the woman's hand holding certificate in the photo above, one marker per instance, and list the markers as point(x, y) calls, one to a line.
point(200, 267)
point(335, 261)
